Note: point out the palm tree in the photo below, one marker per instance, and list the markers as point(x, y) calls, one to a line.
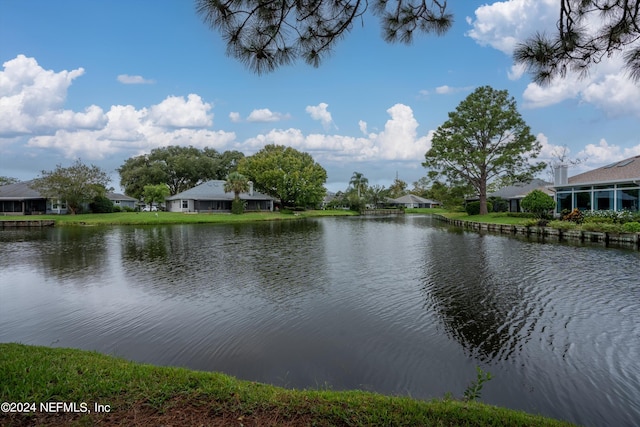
point(236, 183)
point(377, 192)
point(359, 182)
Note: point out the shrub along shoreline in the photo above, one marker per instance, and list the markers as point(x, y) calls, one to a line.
point(77, 387)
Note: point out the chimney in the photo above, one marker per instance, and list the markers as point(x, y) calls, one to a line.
point(250, 188)
point(560, 174)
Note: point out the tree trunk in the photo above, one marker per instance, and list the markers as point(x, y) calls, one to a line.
point(483, 195)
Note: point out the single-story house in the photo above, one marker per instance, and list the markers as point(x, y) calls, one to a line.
point(211, 197)
point(514, 194)
point(121, 200)
point(21, 199)
point(615, 186)
point(410, 201)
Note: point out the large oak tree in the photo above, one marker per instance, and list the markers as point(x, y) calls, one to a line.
point(177, 167)
point(287, 174)
point(484, 139)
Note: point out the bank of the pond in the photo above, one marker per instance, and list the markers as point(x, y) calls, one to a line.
point(154, 218)
point(75, 387)
point(506, 225)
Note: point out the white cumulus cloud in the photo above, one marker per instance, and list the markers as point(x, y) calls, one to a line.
point(134, 80)
point(266, 115)
point(32, 100)
point(177, 112)
point(320, 112)
point(504, 24)
point(32, 104)
point(399, 141)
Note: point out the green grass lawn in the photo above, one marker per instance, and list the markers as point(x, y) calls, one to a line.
point(493, 218)
point(150, 218)
point(140, 394)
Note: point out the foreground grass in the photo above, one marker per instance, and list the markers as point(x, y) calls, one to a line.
point(139, 394)
point(151, 218)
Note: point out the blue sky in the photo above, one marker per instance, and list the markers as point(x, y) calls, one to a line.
point(106, 80)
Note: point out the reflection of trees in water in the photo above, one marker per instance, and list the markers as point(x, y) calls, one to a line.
point(273, 258)
point(77, 253)
point(146, 244)
point(481, 303)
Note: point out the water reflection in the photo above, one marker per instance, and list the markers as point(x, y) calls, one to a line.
point(480, 298)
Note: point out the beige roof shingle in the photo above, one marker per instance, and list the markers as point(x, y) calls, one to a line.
point(624, 170)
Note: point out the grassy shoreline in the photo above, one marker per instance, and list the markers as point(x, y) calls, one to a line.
point(155, 218)
point(141, 394)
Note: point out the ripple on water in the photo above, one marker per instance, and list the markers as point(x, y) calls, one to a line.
point(390, 305)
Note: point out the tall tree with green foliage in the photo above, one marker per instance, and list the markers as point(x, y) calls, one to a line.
point(265, 35)
point(484, 139)
point(236, 183)
point(155, 193)
point(398, 188)
point(76, 185)
point(376, 194)
point(286, 174)
point(177, 167)
point(359, 183)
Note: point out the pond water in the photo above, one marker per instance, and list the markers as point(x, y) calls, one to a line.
point(398, 305)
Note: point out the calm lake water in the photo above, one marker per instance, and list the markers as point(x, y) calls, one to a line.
point(397, 305)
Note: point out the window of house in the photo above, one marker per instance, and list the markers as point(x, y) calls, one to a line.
point(603, 200)
point(185, 204)
point(582, 200)
point(628, 199)
point(563, 202)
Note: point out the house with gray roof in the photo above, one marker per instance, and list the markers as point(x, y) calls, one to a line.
point(514, 194)
point(410, 201)
point(122, 200)
point(615, 186)
point(211, 197)
point(21, 199)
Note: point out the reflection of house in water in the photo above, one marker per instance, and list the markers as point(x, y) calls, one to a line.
point(615, 186)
